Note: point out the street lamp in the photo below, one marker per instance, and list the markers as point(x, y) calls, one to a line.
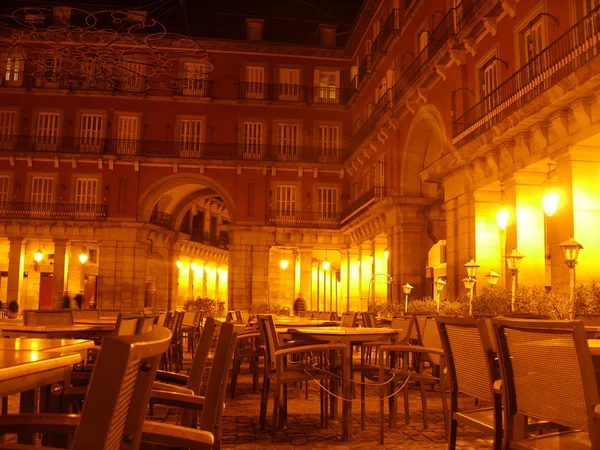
point(83, 257)
point(570, 250)
point(502, 219)
point(406, 288)
point(471, 267)
point(439, 287)
point(513, 260)
point(550, 203)
point(492, 278)
point(469, 283)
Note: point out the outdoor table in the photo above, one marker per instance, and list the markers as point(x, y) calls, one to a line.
point(299, 322)
point(56, 331)
point(100, 321)
point(349, 337)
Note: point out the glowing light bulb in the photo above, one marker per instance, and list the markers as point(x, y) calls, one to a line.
point(550, 203)
point(502, 219)
point(83, 257)
point(194, 266)
point(178, 264)
point(326, 265)
point(38, 255)
point(283, 264)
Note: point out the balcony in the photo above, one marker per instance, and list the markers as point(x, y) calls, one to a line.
point(373, 195)
point(195, 88)
point(52, 211)
point(170, 149)
point(364, 68)
point(571, 50)
point(162, 219)
point(303, 219)
point(202, 237)
point(383, 105)
point(292, 93)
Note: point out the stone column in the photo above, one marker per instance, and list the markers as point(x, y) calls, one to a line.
point(15, 268)
point(365, 274)
point(354, 279)
point(173, 279)
point(58, 276)
point(380, 282)
point(343, 294)
point(107, 264)
point(393, 263)
point(460, 241)
point(306, 275)
point(489, 251)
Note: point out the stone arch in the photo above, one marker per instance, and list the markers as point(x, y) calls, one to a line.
point(425, 143)
point(187, 183)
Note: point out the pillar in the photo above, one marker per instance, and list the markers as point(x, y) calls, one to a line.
point(343, 294)
point(460, 242)
point(306, 276)
point(379, 286)
point(58, 275)
point(489, 248)
point(365, 275)
point(354, 281)
point(107, 261)
point(173, 279)
point(15, 268)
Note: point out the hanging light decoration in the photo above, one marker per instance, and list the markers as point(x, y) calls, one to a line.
point(326, 265)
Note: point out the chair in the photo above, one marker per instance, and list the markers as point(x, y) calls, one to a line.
point(40, 317)
point(85, 314)
point(175, 353)
point(349, 320)
point(323, 316)
point(369, 320)
point(472, 371)
point(113, 413)
point(304, 368)
point(211, 405)
point(548, 373)
point(249, 347)
point(147, 321)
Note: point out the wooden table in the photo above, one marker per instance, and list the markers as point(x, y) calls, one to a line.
point(56, 331)
point(348, 337)
point(299, 322)
point(100, 321)
point(80, 346)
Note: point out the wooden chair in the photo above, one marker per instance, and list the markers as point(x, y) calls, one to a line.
point(190, 329)
point(147, 322)
point(249, 347)
point(349, 320)
point(174, 356)
point(40, 317)
point(85, 314)
point(472, 371)
point(369, 320)
point(211, 405)
point(548, 373)
point(113, 413)
point(323, 315)
point(311, 362)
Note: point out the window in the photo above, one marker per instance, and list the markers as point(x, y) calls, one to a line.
point(133, 76)
point(252, 143)
point(326, 84)
point(86, 191)
point(457, 8)
point(327, 202)
point(190, 136)
point(376, 28)
point(422, 41)
point(254, 77)
point(254, 30)
point(51, 73)
point(533, 45)
point(329, 141)
point(42, 189)
point(328, 36)
point(195, 79)
point(127, 135)
point(287, 141)
point(289, 84)
point(380, 172)
point(13, 71)
point(92, 133)
point(3, 190)
point(489, 78)
point(285, 200)
point(46, 136)
point(8, 129)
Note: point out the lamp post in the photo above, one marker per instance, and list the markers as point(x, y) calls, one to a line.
point(471, 267)
point(406, 288)
point(439, 287)
point(570, 250)
point(492, 278)
point(513, 260)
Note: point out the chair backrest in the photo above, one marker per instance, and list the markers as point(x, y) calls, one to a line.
point(590, 319)
point(119, 390)
point(109, 312)
point(526, 315)
point(147, 322)
point(230, 316)
point(369, 320)
point(168, 319)
point(40, 317)
point(469, 356)
point(245, 317)
point(201, 355)
point(547, 371)
point(214, 398)
point(430, 337)
point(127, 325)
point(176, 323)
point(323, 315)
point(188, 317)
point(349, 320)
point(161, 319)
point(419, 327)
point(85, 314)
point(404, 323)
point(269, 335)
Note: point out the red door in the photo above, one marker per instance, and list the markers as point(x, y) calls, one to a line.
point(46, 282)
point(89, 291)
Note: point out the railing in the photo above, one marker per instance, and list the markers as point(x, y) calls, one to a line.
point(304, 219)
point(364, 68)
point(162, 219)
point(392, 24)
point(52, 211)
point(202, 237)
point(167, 149)
point(288, 93)
point(195, 88)
point(329, 95)
point(372, 195)
point(574, 48)
point(382, 106)
point(254, 91)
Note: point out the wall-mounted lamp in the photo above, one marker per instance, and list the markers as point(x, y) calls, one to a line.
point(178, 264)
point(83, 257)
point(37, 258)
point(207, 269)
point(194, 266)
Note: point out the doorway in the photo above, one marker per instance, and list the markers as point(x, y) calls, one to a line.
point(46, 284)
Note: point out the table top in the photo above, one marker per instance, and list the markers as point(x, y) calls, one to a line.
point(47, 345)
point(56, 328)
point(20, 363)
point(99, 321)
point(341, 331)
point(292, 322)
point(594, 345)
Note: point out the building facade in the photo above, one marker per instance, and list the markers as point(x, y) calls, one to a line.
point(253, 172)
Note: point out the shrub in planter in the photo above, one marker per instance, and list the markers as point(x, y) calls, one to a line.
point(492, 300)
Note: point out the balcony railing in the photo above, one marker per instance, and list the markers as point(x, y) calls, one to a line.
point(162, 219)
point(574, 48)
point(364, 68)
point(202, 237)
point(304, 219)
point(292, 93)
point(169, 149)
point(382, 106)
point(52, 211)
point(372, 195)
point(195, 88)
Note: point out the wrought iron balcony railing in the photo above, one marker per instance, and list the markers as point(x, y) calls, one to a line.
point(195, 88)
point(273, 92)
point(372, 195)
point(383, 105)
point(167, 149)
point(304, 219)
point(162, 219)
point(52, 211)
point(202, 237)
point(574, 48)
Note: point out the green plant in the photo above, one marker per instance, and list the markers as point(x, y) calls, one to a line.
point(424, 306)
point(211, 308)
point(492, 300)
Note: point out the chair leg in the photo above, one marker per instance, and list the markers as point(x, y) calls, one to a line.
point(424, 405)
point(233, 382)
point(363, 389)
point(406, 406)
point(275, 409)
point(264, 400)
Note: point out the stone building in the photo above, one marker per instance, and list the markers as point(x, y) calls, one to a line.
point(154, 168)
